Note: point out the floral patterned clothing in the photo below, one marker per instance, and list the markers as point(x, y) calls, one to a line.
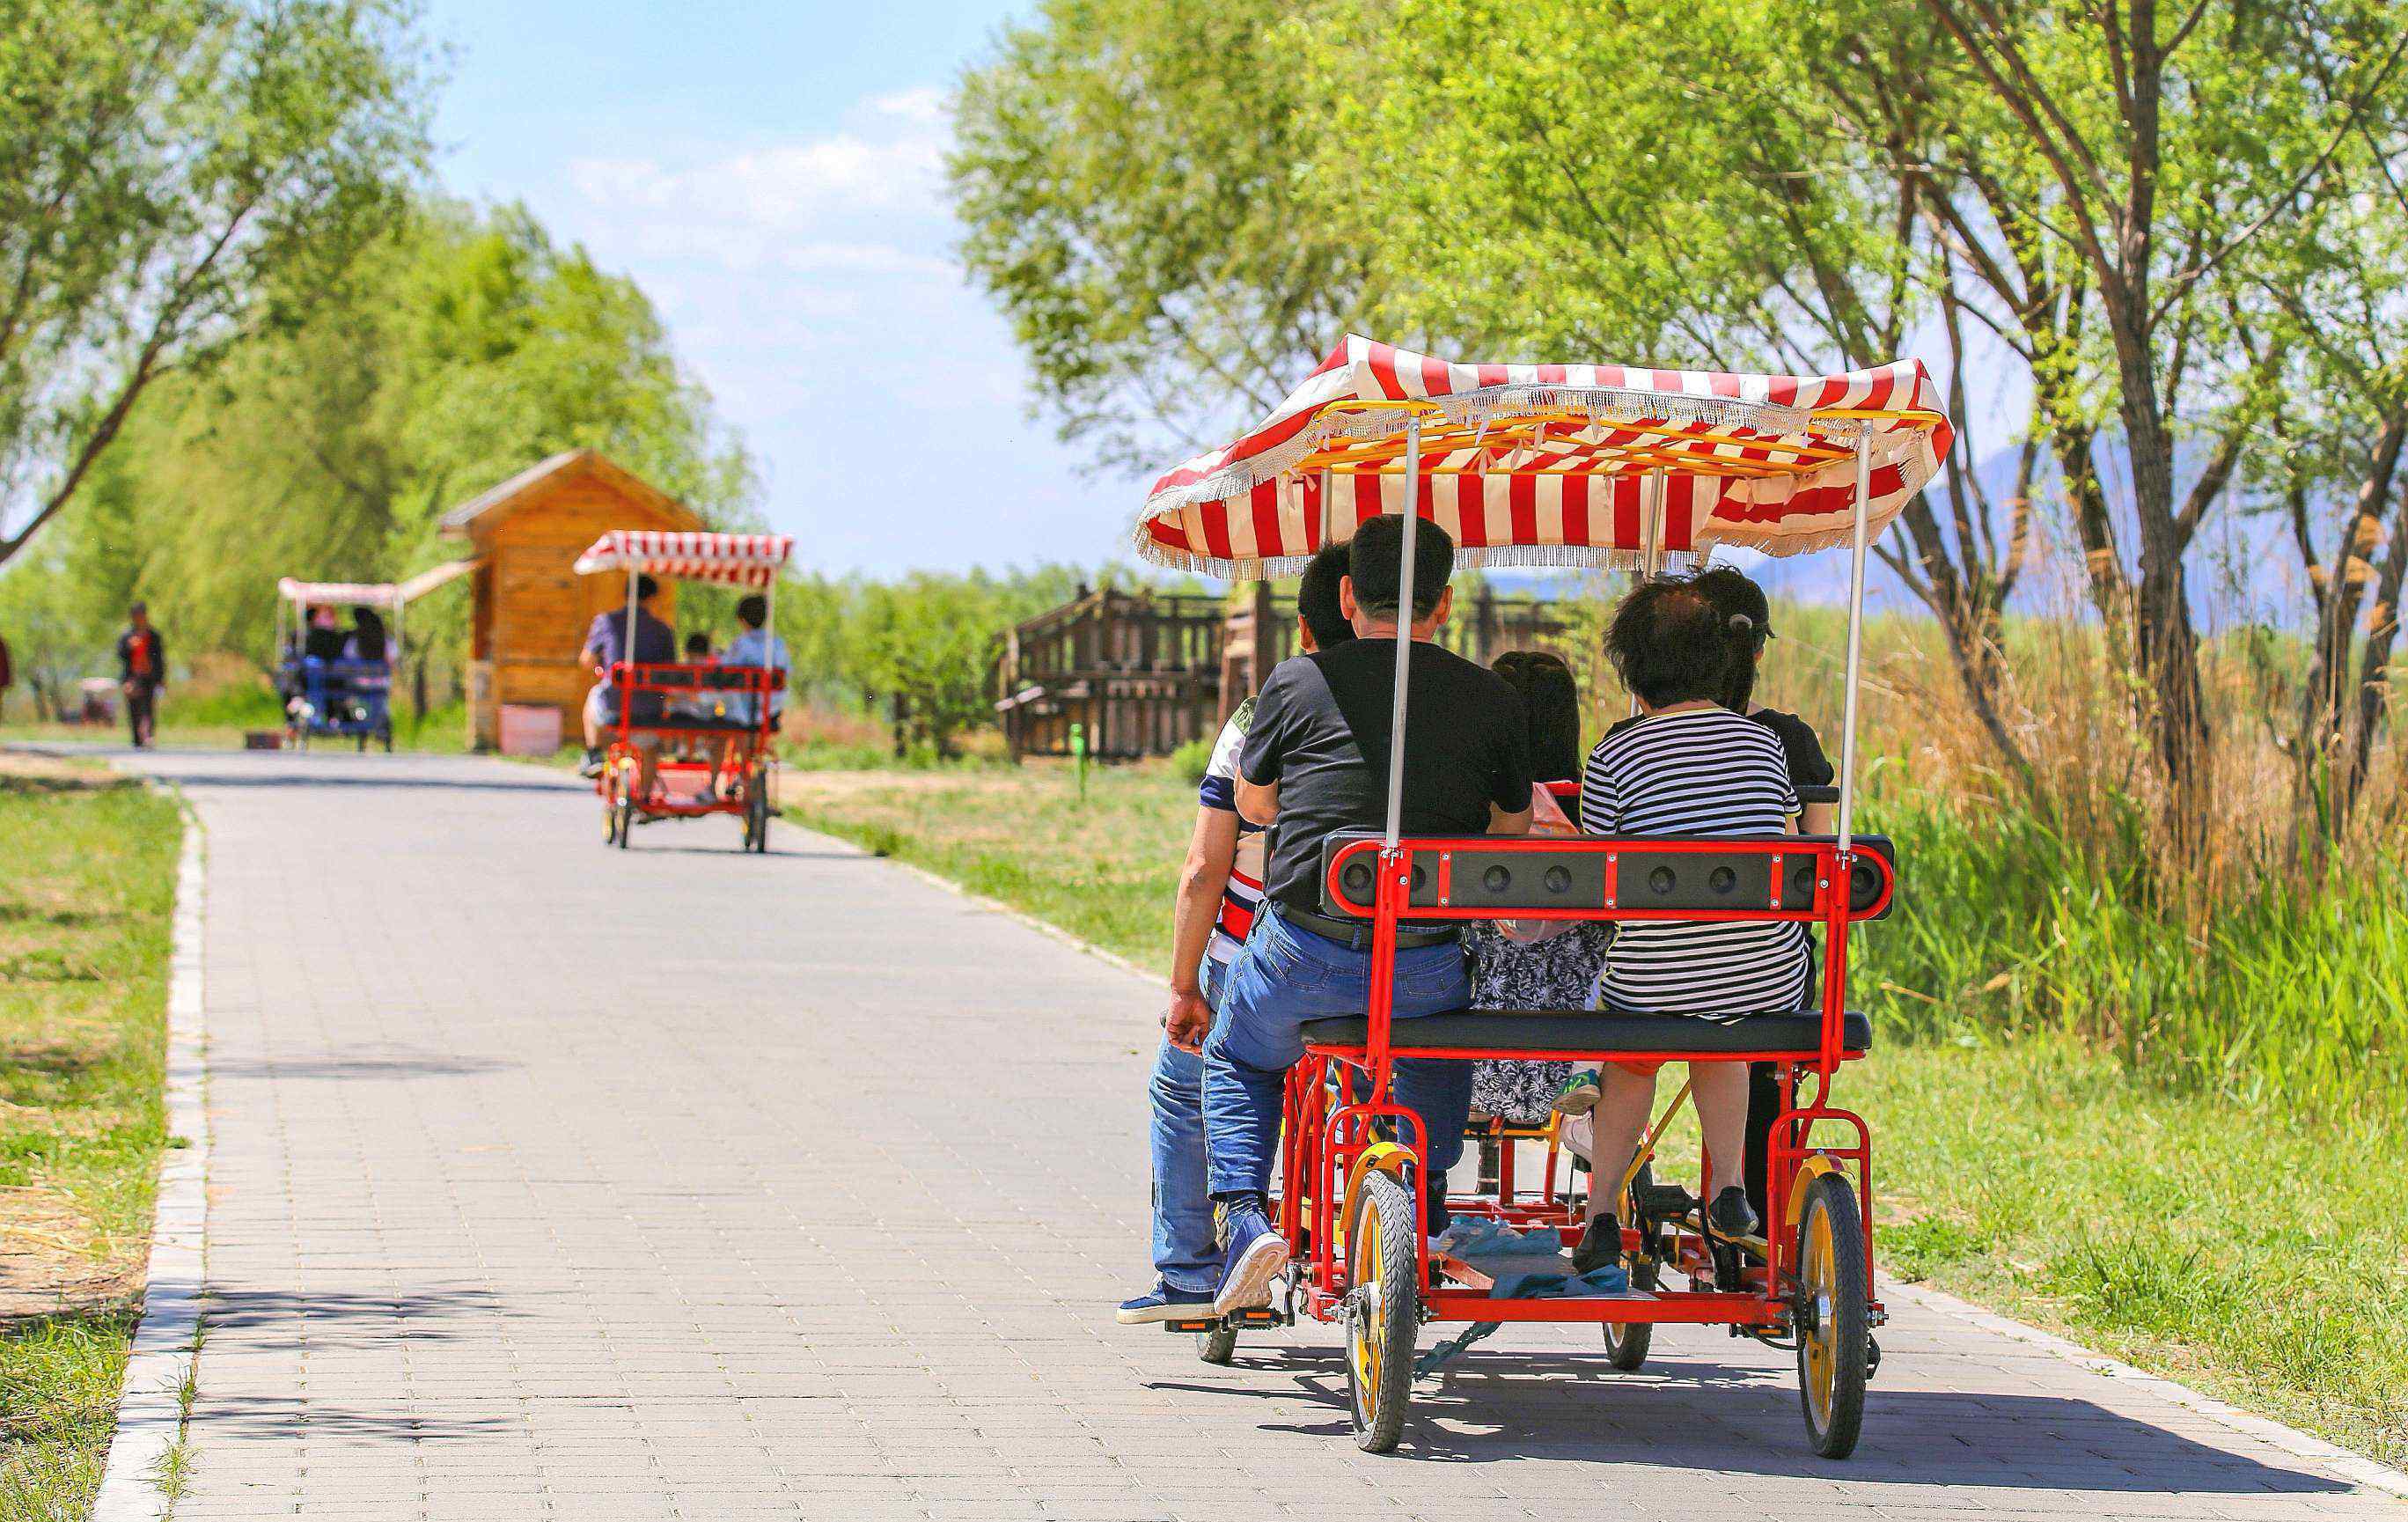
point(1558, 974)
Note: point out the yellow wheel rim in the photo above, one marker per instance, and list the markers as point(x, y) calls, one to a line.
point(1819, 1284)
point(1371, 1315)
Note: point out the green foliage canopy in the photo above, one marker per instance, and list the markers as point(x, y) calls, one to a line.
point(455, 351)
point(1125, 171)
point(175, 175)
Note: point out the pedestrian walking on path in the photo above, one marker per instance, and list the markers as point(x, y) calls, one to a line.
point(141, 671)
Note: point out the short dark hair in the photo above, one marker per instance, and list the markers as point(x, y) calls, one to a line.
point(697, 644)
point(1747, 623)
point(1551, 701)
point(138, 607)
point(1376, 564)
point(646, 589)
point(753, 610)
point(1668, 643)
point(1316, 597)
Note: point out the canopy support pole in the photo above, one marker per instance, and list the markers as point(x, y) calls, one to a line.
point(1856, 645)
point(627, 653)
point(1651, 537)
point(1404, 629)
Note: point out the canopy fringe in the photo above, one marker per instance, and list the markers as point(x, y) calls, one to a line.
point(1614, 406)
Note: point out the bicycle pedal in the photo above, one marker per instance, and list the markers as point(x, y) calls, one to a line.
point(1664, 1201)
point(1203, 1324)
point(1255, 1316)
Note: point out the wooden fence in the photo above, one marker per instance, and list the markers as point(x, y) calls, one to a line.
point(1145, 673)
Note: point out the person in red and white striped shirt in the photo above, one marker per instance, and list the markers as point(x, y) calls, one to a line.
point(1220, 888)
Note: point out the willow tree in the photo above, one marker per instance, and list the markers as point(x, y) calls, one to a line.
point(173, 174)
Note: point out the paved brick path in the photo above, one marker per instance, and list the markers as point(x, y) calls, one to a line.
point(557, 1182)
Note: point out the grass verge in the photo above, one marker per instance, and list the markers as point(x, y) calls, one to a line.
point(2244, 1249)
point(87, 894)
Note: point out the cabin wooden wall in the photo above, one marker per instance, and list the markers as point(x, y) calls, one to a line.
point(534, 608)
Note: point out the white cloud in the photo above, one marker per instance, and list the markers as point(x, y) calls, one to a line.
point(785, 188)
point(924, 106)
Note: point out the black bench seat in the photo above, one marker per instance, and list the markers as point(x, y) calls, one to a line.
point(1588, 1032)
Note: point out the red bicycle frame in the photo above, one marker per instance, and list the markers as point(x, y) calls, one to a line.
point(1323, 1142)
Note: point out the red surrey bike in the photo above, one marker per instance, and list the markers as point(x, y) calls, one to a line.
point(1574, 465)
point(706, 734)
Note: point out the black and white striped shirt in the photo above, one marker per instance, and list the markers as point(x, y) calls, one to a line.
point(1704, 772)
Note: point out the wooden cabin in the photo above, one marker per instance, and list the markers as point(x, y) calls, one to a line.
point(532, 609)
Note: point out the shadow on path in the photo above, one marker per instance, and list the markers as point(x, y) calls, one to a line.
point(1573, 1408)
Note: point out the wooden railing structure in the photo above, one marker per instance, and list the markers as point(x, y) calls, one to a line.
point(1142, 673)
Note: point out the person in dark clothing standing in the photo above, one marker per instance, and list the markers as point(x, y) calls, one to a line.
point(1748, 625)
point(141, 671)
point(1316, 762)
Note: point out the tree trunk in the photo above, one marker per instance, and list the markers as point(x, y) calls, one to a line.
point(2335, 732)
point(2165, 646)
point(2374, 706)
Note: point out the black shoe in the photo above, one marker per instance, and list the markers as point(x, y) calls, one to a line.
point(1731, 1217)
point(1599, 1245)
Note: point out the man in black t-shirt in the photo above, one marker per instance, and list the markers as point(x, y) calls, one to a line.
point(1316, 762)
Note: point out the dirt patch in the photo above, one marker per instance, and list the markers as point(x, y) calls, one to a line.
point(50, 1263)
point(25, 772)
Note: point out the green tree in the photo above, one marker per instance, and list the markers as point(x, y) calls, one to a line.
point(1125, 169)
point(456, 350)
point(2085, 196)
point(175, 175)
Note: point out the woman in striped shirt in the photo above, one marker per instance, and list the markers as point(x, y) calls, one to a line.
point(1690, 766)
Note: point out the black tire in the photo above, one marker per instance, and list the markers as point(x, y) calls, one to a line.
point(1833, 1298)
point(387, 736)
point(1218, 1345)
point(1626, 1346)
point(756, 817)
point(1384, 1314)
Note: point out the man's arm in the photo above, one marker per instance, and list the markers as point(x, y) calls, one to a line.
point(1517, 822)
point(1211, 853)
point(1257, 802)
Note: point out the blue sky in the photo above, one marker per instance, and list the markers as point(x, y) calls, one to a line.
point(770, 174)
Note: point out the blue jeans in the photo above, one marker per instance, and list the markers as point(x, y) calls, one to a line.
point(1187, 1248)
point(1286, 977)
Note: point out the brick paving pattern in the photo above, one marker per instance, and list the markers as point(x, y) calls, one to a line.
point(558, 1182)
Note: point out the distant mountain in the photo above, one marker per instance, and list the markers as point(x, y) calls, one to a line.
point(2243, 567)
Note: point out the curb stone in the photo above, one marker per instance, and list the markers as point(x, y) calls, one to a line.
point(151, 1408)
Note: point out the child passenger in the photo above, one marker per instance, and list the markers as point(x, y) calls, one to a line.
point(1541, 969)
point(1689, 766)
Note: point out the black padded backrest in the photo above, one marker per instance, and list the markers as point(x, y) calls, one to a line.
point(1644, 877)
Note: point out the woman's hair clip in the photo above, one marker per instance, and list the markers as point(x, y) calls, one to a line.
point(1741, 623)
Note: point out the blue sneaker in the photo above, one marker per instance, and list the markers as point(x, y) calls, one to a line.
point(1257, 1255)
point(1165, 1302)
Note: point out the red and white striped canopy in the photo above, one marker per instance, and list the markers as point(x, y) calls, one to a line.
point(1534, 465)
point(339, 594)
point(736, 559)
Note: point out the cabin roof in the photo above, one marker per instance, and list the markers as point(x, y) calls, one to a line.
point(480, 513)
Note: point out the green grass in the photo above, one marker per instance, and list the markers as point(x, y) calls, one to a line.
point(2167, 1204)
point(1103, 868)
point(87, 889)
